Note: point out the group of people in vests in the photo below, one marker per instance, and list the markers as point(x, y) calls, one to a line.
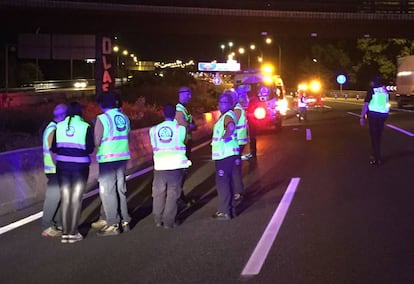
point(69, 140)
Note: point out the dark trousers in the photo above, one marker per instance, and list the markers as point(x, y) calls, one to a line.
point(224, 177)
point(237, 174)
point(72, 186)
point(376, 123)
point(166, 189)
point(188, 146)
point(51, 205)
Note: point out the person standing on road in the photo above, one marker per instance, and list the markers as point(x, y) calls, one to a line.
point(184, 118)
point(242, 139)
point(225, 151)
point(170, 162)
point(52, 218)
point(111, 138)
point(376, 108)
point(72, 143)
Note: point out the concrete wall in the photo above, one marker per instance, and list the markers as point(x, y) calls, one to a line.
point(23, 183)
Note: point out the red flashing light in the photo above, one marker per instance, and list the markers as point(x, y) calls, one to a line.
point(260, 113)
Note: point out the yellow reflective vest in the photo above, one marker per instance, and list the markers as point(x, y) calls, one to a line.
point(167, 141)
point(220, 148)
point(379, 101)
point(72, 137)
point(114, 142)
point(241, 126)
point(49, 164)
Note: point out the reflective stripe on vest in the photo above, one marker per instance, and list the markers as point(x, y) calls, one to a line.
point(187, 116)
point(379, 101)
point(48, 163)
point(73, 159)
point(114, 142)
point(168, 146)
point(73, 137)
point(241, 126)
point(302, 102)
point(221, 149)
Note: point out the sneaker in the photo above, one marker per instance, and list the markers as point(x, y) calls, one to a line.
point(74, 238)
point(64, 239)
point(158, 224)
point(238, 197)
point(52, 232)
point(98, 224)
point(125, 226)
point(107, 230)
point(221, 216)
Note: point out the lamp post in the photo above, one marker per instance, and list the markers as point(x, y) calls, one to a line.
point(269, 41)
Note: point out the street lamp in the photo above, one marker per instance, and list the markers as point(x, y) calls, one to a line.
point(269, 41)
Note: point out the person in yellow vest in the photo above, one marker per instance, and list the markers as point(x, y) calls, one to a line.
point(52, 219)
point(72, 143)
point(184, 118)
point(376, 108)
point(225, 151)
point(242, 139)
point(112, 130)
point(170, 161)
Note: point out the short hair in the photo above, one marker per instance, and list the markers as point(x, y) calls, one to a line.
point(60, 110)
point(107, 100)
point(226, 95)
point(183, 90)
point(377, 81)
point(169, 111)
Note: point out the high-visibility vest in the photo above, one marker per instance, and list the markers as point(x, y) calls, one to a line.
point(302, 102)
point(114, 142)
point(72, 136)
point(379, 101)
point(220, 148)
point(241, 126)
point(48, 163)
point(187, 116)
point(167, 141)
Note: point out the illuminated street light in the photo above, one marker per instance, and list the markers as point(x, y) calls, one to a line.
point(269, 41)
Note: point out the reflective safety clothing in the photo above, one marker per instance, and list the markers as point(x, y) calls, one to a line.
point(220, 148)
point(114, 142)
point(241, 126)
point(187, 116)
point(302, 103)
point(167, 141)
point(379, 101)
point(72, 136)
point(49, 164)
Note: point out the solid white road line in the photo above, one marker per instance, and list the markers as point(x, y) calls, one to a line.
point(308, 134)
point(400, 130)
point(90, 193)
point(21, 222)
point(390, 126)
point(256, 260)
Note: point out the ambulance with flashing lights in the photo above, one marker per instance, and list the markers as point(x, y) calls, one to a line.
point(263, 96)
point(313, 94)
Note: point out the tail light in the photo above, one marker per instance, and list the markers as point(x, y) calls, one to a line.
point(259, 113)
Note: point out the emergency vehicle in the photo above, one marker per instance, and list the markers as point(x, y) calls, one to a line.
point(263, 96)
point(313, 94)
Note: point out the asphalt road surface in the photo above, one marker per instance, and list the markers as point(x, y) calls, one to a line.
point(318, 210)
